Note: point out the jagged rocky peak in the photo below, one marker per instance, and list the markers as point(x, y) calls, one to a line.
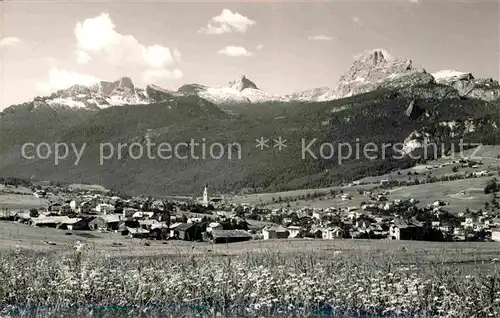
point(107, 88)
point(377, 68)
point(376, 65)
point(125, 82)
point(98, 96)
point(242, 83)
point(374, 58)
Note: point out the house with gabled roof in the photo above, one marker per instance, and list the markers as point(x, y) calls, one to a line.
point(275, 232)
point(229, 236)
point(189, 231)
point(401, 229)
point(68, 224)
point(47, 221)
point(138, 232)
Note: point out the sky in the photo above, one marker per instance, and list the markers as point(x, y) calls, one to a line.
point(283, 47)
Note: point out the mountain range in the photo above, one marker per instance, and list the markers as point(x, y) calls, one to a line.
point(370, 71)
point(379, 99)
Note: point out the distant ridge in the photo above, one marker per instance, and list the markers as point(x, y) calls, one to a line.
point(370, 70)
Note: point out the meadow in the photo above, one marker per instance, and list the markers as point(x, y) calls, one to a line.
point(345, 278)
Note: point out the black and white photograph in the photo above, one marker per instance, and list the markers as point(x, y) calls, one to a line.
point(255, 158)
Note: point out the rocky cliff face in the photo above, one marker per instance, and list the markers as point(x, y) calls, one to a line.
point(375, 69)
point(241, 84)
point(467, 86)
point(95, 97)
point(121, 92)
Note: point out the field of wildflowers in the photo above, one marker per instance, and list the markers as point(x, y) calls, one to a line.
point(253, 284)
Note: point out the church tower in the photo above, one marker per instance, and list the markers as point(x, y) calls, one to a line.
point(205, 197)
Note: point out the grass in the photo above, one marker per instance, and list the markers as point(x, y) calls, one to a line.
point(276, 282)
point(342, 278)
point(18, 201)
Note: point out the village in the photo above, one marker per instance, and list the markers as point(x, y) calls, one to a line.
point(217, 220)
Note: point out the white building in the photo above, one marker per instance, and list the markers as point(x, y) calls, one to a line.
point(294, 231)
point(105, 208)
point(75, 205)
point(495, 235)
point(205, 197)
point(332, 233)
point(275, 232)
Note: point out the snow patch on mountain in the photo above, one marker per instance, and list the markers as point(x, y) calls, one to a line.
point(66, 102)
point(98, 96)
point(239, 91)
point(320, 94)
point(446, 75)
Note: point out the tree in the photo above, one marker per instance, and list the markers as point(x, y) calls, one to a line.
point(119, 206)
point(494, 203)
point(239, 211)
point(34, 213)
point(491, 186)
point(184, 218)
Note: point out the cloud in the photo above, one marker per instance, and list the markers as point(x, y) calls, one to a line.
point(153, 75)
point(227, 22)
point(320, 37)
point(357, 20)
point(259, 47)
point(98, 36)
point(61, 79)
point(234, 51)
point(10, 41)
point(82, 57)
point(95, 34)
